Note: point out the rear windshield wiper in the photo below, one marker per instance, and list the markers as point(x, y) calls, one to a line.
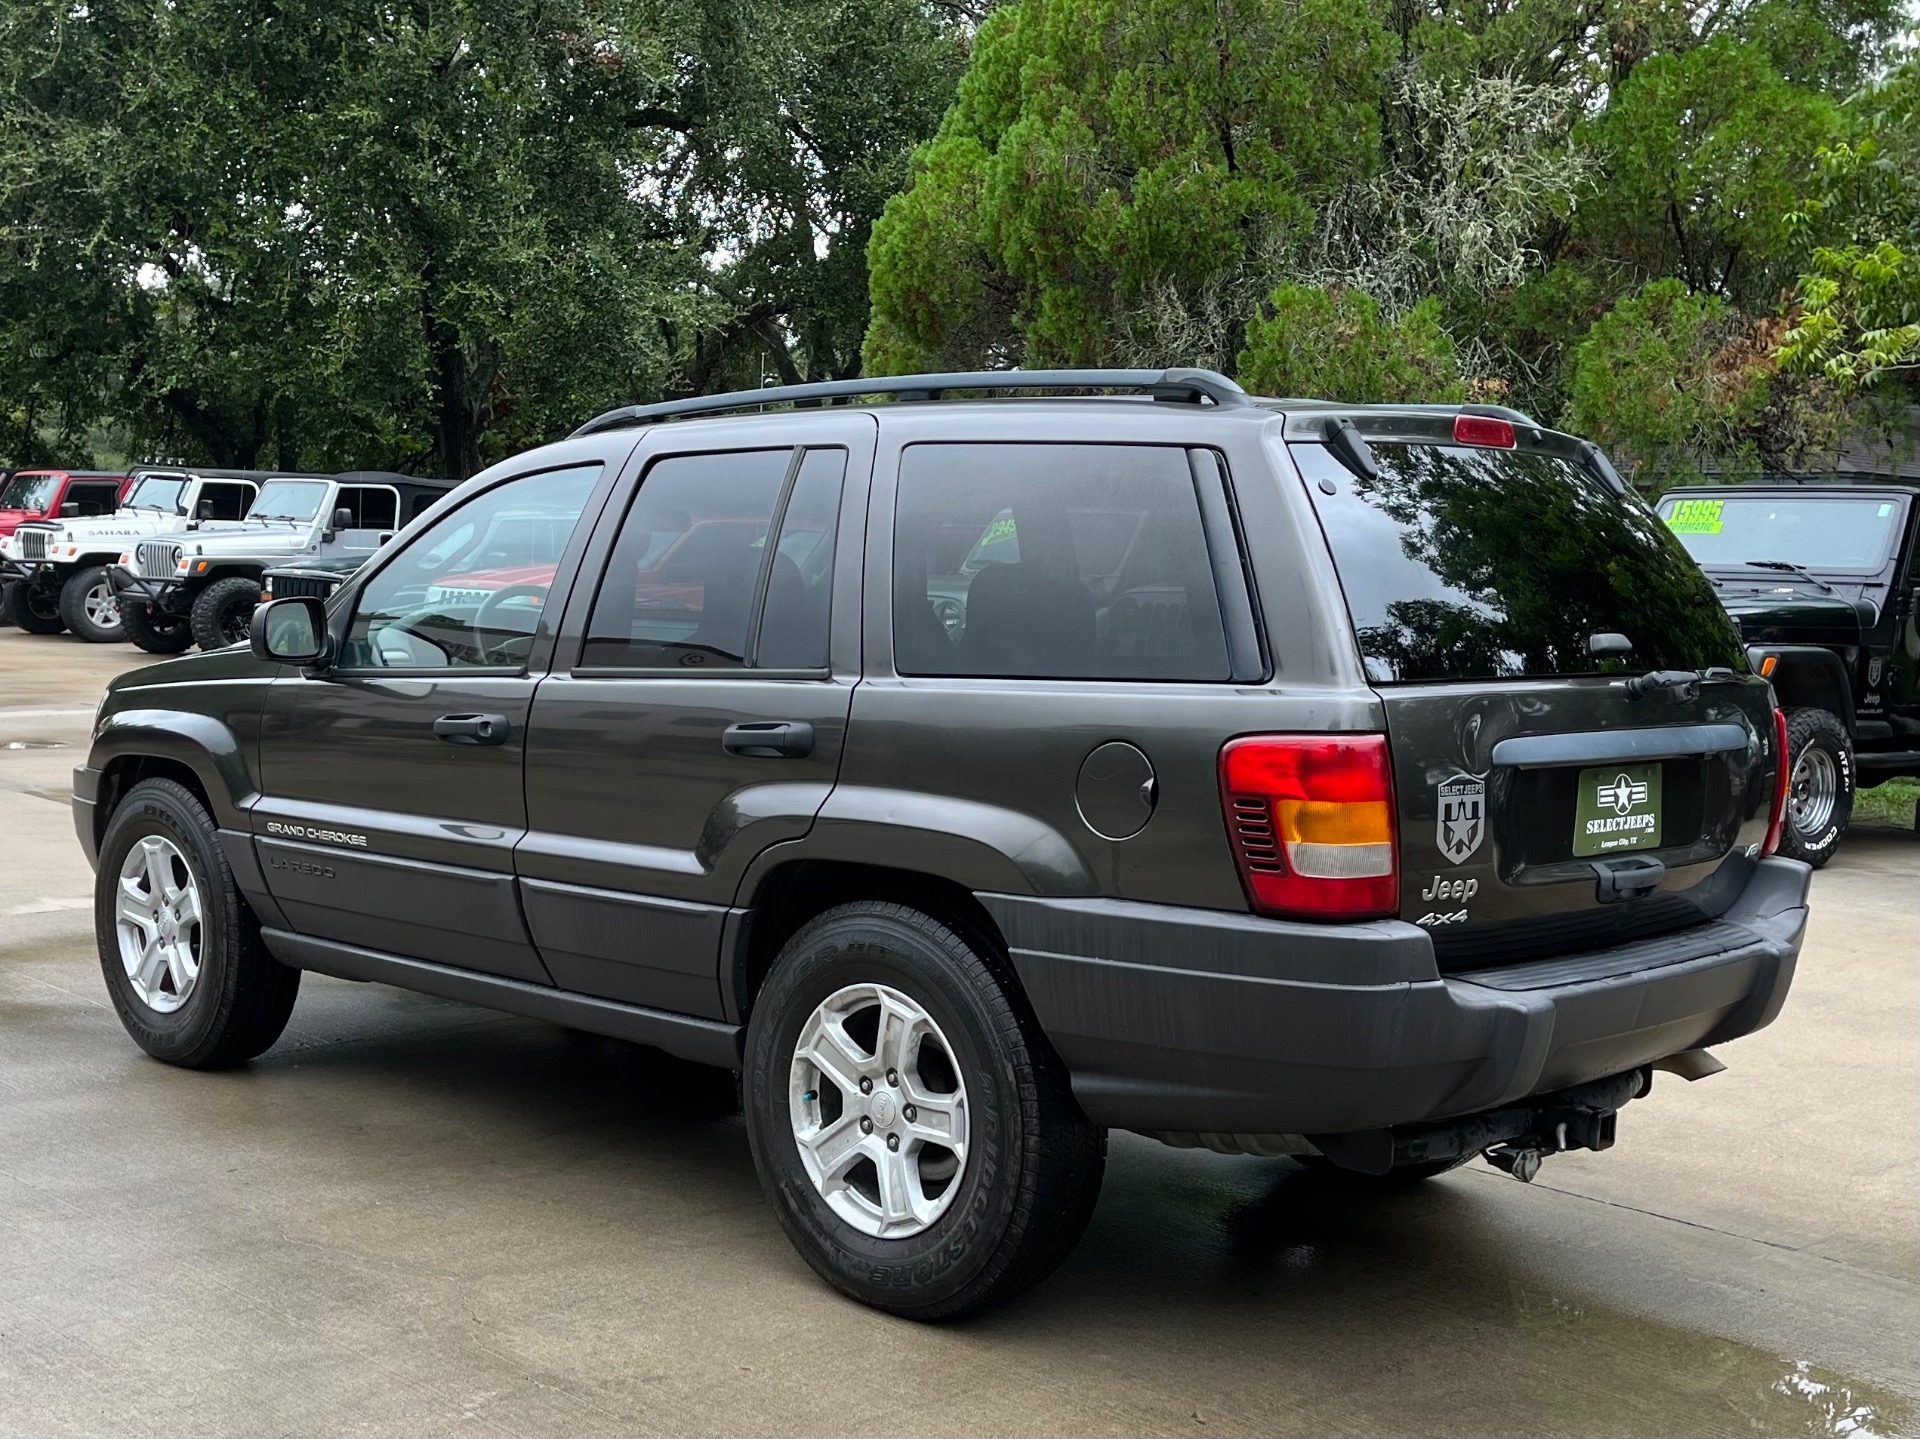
point(1791, 568)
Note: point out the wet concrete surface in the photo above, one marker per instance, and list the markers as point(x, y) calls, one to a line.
point(416, 1217)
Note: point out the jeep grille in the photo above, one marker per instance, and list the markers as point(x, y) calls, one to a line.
point(33, 544)
point(158, 558)
point(287, 587)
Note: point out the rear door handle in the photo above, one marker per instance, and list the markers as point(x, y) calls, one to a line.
point(769, 739)
point(472, 729)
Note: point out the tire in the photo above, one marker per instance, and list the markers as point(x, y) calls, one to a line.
point(1025, 1186)
point(6, 603)
point(34, 605)
point(1820, 795)
point(89, 608)
point(222, 611)
point(156, 631)
point(234, 999)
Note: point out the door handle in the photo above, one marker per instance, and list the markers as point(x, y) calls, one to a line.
point(769, 739)
point(472, 729)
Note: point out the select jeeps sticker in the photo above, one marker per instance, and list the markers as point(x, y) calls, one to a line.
point(314, 835)
point(1462, 820)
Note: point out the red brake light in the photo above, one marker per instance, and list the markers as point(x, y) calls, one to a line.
point(1782, 782)
point(1483, 430)
point(1311, 821)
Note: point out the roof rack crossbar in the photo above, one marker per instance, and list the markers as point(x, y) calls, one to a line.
point(1178, 385)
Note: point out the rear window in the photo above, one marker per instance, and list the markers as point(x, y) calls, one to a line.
point(1465, 563)
point(1833, 532)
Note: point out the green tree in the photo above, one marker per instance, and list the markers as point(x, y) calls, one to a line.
point(1335, 345)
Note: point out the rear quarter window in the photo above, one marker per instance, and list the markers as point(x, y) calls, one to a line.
point(1466, 563)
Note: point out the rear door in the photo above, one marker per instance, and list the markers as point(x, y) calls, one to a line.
point(700, 713)
point(1546, 805)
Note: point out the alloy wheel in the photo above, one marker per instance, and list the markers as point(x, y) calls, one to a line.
point(159, 922)
point(879, 1110)
point(102, 609)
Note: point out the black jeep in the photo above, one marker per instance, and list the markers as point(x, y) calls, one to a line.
point(1823, 579)
point(1375, 786)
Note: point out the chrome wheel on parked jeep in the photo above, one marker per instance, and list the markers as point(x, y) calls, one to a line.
point(88, 607)
point(159, 924)
point(1810, 799)
point(1819, 786)
point(879, 1110)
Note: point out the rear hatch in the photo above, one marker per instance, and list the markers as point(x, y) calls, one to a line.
point(1544, 807)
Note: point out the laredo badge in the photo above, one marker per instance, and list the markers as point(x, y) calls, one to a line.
point(1463, 817)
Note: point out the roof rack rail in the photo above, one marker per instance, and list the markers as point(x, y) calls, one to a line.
point(1180, 385)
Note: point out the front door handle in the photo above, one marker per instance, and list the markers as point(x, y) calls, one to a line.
point(472, 729)
point(769, 739)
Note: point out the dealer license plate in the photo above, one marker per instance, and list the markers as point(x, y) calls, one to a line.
point(1618, 809)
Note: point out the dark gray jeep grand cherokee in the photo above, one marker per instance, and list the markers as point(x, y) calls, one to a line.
point(1378, 786)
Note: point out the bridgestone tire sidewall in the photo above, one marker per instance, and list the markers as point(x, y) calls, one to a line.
point(187, 1034)
point(936, 1264)
point(1812, 726)
point(73, 608)
point(174, 639)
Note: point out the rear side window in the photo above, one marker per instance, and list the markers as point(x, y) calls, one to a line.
point(1054, 562)
point(693, 583)
point(1465, 563)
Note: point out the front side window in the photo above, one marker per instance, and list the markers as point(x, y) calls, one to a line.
point(224, 501)
point(369, 507)
point(692, 582)
point(1054, 562)
point(470, 590)
point(93, 499)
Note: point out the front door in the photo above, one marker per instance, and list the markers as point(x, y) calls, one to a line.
point(702, 708)
point(393, 782)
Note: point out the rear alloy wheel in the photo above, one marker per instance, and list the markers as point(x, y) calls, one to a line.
point(1819, 786)
point(917, 1136)
point(223, 612)
point(89, 608)
point(154, 630)
point(34, 605)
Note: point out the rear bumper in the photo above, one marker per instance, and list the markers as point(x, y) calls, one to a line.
point(1175, 1019)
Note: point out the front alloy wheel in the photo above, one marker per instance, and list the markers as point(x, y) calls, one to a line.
point(879, 1110)
point(159, 924)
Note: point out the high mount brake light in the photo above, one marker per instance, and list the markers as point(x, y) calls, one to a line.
point(1782, 783)
point(1311, 821)
point(1483, 430)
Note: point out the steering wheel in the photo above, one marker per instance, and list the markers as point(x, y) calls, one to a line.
point(499, 654)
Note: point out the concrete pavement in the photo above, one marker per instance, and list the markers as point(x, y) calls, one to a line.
point(416, 1217)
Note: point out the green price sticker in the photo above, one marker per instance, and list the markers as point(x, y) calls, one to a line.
point(1696, 517)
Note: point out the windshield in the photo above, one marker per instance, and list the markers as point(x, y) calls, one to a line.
point(1467, 563)
point(30, 492)
point(156, 492)
point(289, 500)
point(1816, 532)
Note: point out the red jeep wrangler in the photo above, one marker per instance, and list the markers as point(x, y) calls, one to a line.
point(45, 495)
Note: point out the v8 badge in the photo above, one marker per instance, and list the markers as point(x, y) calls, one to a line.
point(1462, 822)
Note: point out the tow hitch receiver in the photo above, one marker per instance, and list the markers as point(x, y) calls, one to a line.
point(1514, 1139)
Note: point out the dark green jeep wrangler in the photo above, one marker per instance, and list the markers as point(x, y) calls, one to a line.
point(1823, 581)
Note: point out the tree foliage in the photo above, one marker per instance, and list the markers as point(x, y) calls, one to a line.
point(1335, 344)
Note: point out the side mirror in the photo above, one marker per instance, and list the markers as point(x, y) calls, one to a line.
point(343, 518)
point(70, 511)
point(292, 631)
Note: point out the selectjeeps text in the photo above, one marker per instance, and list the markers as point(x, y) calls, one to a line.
point(1377, 786)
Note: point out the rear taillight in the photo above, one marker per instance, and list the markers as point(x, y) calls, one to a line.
point(1312, 825)
point(1483, 430)
point(1782, 782)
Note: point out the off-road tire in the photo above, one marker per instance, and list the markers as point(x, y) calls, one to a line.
point(155, 631)
point(73, 607)
point(1035, 1162)
point(1816, 728)
point(242, 999)
point(6, 603)
point(214, 609)
point(34, 607)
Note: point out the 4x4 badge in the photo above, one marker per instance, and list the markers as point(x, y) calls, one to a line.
point(1463, 817)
